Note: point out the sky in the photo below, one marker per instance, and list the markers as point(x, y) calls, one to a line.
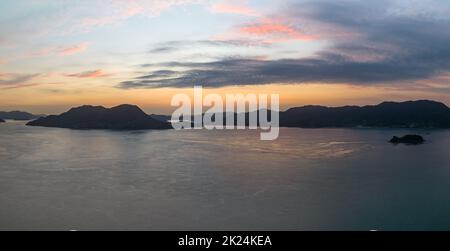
point(57, 54)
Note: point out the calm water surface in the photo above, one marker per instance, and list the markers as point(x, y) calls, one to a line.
point(309, 179)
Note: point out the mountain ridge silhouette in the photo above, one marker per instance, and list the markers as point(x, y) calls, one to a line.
point(122, 117)
point(409, 114)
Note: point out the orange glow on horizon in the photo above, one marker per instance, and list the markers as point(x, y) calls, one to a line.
point(44, 99)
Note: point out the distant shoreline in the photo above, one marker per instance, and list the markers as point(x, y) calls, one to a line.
point(283, 127)
point(421, 115)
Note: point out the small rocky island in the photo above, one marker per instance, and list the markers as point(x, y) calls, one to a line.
point(123, 117)
point(408, 139)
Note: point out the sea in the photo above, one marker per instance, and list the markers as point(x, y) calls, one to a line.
point(190, 180)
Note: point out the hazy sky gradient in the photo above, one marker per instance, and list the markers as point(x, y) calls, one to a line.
point(55, 54)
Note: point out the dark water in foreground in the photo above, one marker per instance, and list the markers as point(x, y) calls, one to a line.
point(324, 179)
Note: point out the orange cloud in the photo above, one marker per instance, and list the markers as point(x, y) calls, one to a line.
point(233, 8)
point(275, 31)
point(2, 61)
point(89, 74)
point(68, 51)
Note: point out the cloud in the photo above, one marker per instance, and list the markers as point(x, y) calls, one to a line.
point(255, 72)
point(3, 61)
point(172, 46)
point(20, 86)
point(74, 49)
point(275, 31)
point(11, 79)
point(160, 74)
point(116, 11)
point(88, 74)
point(55, 50)
point(40, 53)
point(269, 30)
point(370, 42)
point(63, 18)
point(233, 7)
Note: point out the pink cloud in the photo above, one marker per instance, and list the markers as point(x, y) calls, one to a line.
point(71, 50)
point(233, 8)
point(40, 53)
point(132, 11)
point(275, 31)
point(55, 50)
point(266, 31)
point(89, 74)
point(2, 61)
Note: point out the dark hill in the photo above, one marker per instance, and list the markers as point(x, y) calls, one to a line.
point(18, 115)
point(123, 117)
point(411, 114)
point(163, 118)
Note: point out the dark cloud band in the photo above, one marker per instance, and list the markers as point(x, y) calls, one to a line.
point(372, 43)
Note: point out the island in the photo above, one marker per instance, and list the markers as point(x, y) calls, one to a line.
point(408, 139)
point(18, 115)
point(163, 118)
point(122, 117)
point(410, 114)
point(2, 121)
point(424, 114)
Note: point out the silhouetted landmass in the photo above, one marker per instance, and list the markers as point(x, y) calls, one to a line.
point(408, 139)
point(2, 121)
point(411, 114)
point(123, 117)
point(162, 118)
point(18, 115)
